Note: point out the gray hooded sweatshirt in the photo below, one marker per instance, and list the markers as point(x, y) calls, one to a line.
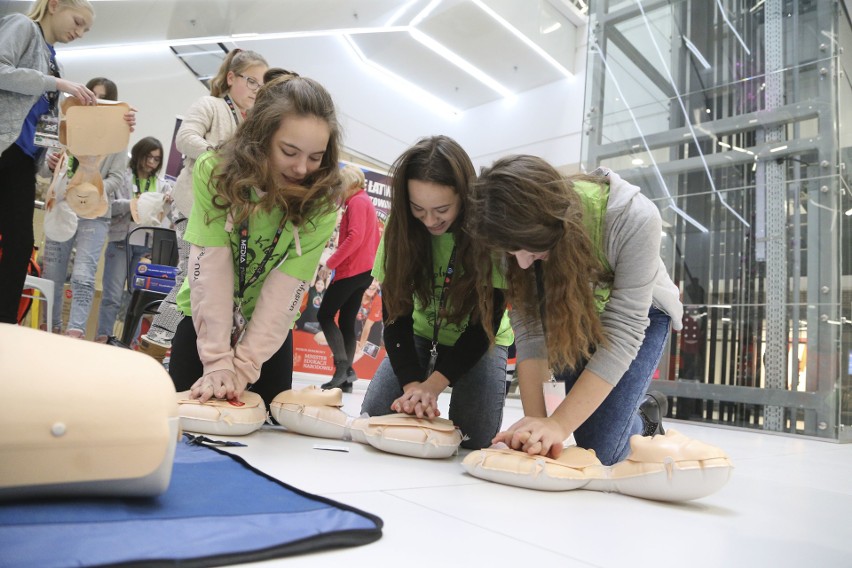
point(631, 243)
point(24, 73)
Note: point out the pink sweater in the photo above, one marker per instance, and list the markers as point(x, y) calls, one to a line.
point(359, 238)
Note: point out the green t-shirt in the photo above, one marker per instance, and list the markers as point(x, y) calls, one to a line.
point(206, 228)
point(424, 317)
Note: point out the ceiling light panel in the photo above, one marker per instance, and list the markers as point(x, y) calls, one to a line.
point(464, 28)
point(401, 54)
point(275, 16)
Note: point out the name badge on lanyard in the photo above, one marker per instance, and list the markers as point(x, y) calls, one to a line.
point(554, 394)
point(47, 127)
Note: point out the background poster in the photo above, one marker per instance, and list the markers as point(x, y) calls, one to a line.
point(310, 351)
point(175, 163)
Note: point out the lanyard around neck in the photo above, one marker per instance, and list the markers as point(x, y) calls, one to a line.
point(233, 108)
point(136, 189)
point(442, 303)
point(542, 301)
point(51, 96)
point(243, 256)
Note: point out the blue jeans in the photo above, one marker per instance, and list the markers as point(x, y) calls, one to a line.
point(89, 238)
point(607, 431)
point(114, 282)
point(476, 403)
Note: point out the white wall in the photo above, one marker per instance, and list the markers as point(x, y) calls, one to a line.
point(379, 119)
point(154, 81)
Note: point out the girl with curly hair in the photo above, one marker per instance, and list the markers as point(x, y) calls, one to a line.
point(210, 120)
point(596, 307)
point(264, 207)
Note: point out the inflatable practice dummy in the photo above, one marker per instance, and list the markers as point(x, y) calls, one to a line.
point(88, 133)
point(222, 417)
point(316, 412)
point(82, 418)
point(665, 467)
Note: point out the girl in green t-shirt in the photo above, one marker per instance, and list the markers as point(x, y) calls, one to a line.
point(591, 301)
point(432, 330)
point(264, 209)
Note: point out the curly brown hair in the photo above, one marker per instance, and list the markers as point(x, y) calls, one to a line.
point(244, 163)
point(408, 244)
point(523, 203)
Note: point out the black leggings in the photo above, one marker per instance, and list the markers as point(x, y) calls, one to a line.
point(343, 295)
point(276, 374)
point(17, 186)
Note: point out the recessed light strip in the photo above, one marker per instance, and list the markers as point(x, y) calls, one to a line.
point(459, 62)
point(144, 46)
point(424, 13)
point(415, 92)
point(399, 13)
point(517, 33)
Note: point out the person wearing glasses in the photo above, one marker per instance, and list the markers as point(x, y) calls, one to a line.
point(141, 176)
point(209, 122)
point(90, 236)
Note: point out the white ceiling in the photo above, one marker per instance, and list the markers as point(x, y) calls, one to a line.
point(463, 27)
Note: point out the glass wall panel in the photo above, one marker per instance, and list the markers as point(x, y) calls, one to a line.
point(734, 118)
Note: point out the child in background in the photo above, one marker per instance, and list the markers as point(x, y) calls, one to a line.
point(240, 308)
point(210, 121)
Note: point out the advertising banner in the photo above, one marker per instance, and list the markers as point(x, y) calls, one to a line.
point(310, 349)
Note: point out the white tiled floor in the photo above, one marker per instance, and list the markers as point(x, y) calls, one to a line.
point(789, 503)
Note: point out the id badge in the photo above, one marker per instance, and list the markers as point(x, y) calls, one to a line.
point(47, 131)
point(433, 358)
point(239, 326)
point(554, 394)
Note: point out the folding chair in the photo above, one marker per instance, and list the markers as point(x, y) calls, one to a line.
point(164, 250)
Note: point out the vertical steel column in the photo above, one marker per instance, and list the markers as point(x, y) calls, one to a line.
point(775, 194)
point(823, 294)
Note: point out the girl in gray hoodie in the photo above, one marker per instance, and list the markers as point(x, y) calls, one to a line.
point(590, 296)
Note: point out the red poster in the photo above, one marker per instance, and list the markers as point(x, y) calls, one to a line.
point(310, 351)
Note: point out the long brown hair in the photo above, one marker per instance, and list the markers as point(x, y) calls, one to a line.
point(244, 159)
point(408, 245)
point(524, 203)
point(139, 153)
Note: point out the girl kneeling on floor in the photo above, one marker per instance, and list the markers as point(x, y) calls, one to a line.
point(433, 333)
point(596, 307)
point(265, 205)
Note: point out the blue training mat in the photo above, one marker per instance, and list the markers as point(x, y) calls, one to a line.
point(218, 510)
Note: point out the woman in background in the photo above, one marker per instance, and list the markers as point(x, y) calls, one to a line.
point(141, 176)
point(30, 83)
point(351, 262)
point(210, 121)
point(91, 234)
